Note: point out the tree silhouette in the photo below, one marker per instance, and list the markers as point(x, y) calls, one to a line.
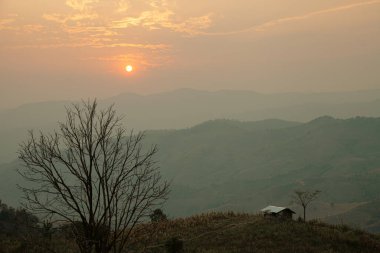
point(304, 198)
point(93, 175)
point(158, 215)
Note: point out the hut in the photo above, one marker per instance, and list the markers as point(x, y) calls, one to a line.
point(278, 212)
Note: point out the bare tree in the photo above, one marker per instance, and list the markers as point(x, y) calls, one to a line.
point(304, 198)
point(94, 175)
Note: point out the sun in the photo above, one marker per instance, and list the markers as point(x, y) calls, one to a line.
point(129, 68)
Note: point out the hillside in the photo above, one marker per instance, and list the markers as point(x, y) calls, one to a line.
point(216, 232)
point(236, 168)
point(244, 166)
point(365, 215)
point(229, 232)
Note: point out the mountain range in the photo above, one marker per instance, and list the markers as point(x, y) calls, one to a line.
point(223, 165)
point(185, 108)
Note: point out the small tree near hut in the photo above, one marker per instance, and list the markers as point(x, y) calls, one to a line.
point(94, 175)
point(158, 216)
point(304, 198)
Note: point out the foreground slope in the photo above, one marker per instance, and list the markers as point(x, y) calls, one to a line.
point(229, 232)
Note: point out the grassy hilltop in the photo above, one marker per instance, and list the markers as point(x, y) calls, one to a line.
point(230, 232)
point(216, 232)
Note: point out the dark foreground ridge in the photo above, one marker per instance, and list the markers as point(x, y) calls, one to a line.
point(230, 232)
point(21, 232)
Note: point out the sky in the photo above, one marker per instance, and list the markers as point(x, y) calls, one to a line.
point(72, 49)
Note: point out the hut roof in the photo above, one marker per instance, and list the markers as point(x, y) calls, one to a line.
point(275, 209)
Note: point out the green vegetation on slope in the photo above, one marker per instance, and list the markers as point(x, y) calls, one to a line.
point(245, 166)
point(227, 165)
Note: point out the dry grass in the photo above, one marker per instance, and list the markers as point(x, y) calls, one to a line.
point(232, 232)
point(238, 232)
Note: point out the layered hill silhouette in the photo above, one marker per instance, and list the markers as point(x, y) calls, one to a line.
point(185, 108)
point(244, 166)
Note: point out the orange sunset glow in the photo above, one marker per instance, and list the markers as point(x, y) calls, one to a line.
point(263, 46)
point(190, 126)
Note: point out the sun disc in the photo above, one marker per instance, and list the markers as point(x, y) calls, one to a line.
point(129, 68)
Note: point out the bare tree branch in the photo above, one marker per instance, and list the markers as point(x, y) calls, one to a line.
point(94, 175)
point(304, 198)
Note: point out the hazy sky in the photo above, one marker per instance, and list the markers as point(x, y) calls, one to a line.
point(57, 49)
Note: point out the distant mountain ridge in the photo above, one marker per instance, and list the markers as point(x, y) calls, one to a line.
point(245, 166)
point(186, 107)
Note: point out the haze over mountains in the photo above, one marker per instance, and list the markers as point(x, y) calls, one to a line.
point(185, 108)
point(243, 166)
point(217, 162)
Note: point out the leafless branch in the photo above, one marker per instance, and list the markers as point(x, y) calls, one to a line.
point(93, 174)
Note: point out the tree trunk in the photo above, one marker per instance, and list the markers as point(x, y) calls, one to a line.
point(304, 213)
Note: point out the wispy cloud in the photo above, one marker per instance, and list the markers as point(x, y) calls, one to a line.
point(8, 24)
point(122, 6)
point(93, 45)
point(63, 19)
point(101, 23)
point(109, 24)
point(80, 5)
point(137, 59)
point(141, 46)
point(5, 24)
point(164, 19)
point(281, 21)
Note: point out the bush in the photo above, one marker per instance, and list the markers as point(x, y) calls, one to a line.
point(158, 215)
point(174, 245)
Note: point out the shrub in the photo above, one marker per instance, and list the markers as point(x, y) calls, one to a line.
point(158, 215)
point(174, 245)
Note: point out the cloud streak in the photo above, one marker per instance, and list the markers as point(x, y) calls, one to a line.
point(80, 5)
point(5, 24)
point(137, 59)
point(281, 21)
point(94, 45)
point(164, 19)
